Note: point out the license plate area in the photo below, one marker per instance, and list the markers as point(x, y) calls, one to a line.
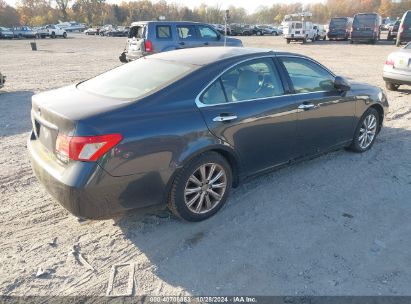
point(45, 136)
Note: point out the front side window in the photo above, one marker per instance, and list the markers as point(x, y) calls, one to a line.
point(256, 79)
point(163, 32)
point(186, 32)
point(207, 33)
point(136, 79)
point(307, 76)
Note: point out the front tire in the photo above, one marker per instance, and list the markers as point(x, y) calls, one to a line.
point(366, 131)
point(201, 188)
point(64, 35)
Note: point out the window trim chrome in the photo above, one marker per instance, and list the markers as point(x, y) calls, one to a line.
point(272, 56)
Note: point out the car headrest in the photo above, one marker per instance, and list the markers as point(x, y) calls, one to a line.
point(248, 81)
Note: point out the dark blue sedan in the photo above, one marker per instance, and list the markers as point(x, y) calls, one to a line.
point(182, 128)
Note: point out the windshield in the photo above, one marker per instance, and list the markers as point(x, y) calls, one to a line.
point(339, 23)
point(364, 21)
point(136, 79)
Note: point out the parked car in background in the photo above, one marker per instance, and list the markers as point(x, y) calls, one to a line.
point(256, 30)
point(240, 29)
point(6, 33)
point(404, 31)
point(393, 30)
point(321, 33)
point(52, 31)
point(105, 29)
point(339, 28)
point(182, 128)
point(72, 26)
point(397, 68)
point(24, 32)
point(269, 30)
point(366, 28)
point(149, 37)
point(92, 31)
point(221, 28)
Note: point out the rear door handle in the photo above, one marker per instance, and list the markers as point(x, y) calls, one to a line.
point(307, 106)
point(225, 118)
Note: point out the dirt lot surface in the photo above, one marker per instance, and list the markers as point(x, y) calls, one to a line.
point(336, 225)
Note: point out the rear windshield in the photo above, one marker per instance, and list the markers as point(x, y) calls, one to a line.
point(136, 79)
point(136, 31)
point(338, 22)
point(365, 20)
point(407, 19)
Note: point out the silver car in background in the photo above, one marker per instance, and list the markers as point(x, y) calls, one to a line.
point(397, 68)
point(149, 37)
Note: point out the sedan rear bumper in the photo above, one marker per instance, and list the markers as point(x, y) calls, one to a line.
point(397, 77)
point(88, 191)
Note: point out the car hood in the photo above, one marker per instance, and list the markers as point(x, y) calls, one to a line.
point(233, 41)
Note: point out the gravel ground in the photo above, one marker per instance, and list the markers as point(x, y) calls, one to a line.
point(335, 225)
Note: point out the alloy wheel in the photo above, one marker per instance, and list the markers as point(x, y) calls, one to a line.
point(205, 188)
point(367, 131)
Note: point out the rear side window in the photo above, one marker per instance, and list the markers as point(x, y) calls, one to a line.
point(215, 94)
point(256, 79)
point(163, 31)
point(186, 32)
point(307, 76)
point(132, 81)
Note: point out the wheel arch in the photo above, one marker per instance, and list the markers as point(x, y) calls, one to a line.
point(227, 152)
point(224, 150)
point(380, 111)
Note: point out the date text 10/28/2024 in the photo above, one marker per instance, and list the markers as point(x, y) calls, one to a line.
point(204, 299)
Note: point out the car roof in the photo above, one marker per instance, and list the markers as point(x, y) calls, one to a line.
point(208, 55)
point(165, 22)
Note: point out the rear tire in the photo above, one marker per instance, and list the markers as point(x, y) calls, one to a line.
point(64, 35)
point(391, 86)
point(366, 131)
point(194, 196)
point(288, 41)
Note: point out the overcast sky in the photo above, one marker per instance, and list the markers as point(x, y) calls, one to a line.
point(250, 5)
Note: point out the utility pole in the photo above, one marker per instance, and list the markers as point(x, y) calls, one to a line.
point(226, 18)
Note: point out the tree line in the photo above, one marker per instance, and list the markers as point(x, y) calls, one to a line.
point(99, 12)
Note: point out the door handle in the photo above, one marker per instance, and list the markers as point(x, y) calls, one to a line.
point(206, 43)
point(181, 43)
point(307, 106)
point(221, 118)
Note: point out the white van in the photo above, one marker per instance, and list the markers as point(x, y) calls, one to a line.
point(299, 31)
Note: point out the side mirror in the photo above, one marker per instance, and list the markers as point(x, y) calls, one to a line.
point(341, 84)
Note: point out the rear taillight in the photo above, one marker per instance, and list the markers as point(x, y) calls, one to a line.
point(85, 148)
point(389, 62)
point(148, 45)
